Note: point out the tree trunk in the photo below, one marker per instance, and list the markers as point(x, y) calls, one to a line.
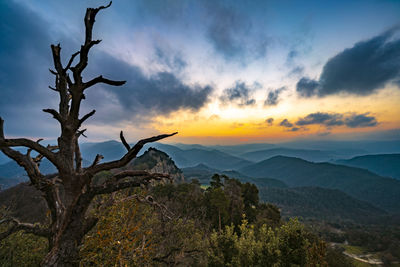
point(68, 235)
point(64, 253)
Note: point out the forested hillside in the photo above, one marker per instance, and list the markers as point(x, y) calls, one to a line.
point(359, 183)
point(387, 165)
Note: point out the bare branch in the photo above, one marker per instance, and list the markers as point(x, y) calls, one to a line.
point(53, 72)
point(71, 60)
point(107, 188)
point(90, 17)
point(101, 79)
point(56, 51)
point(97, 159)
point(131, 154)
point(6, 143)
point(53, 112)
point(39, 157)
point(137, 173)
point(27, 227)
point(127, 146)
point(81, 132)
point(87, 116)
point(54, 89)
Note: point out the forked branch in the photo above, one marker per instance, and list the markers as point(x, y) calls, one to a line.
point(126, 145)
point(16, 226)
point(131, 154)
point(101, 79)
point(115, 184)
point(8, 143)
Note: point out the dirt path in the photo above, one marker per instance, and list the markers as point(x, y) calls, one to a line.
point(357, 257)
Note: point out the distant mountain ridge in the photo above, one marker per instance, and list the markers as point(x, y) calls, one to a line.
point(383, 164)
point(362, 184)
point(306, 154)
point(203, 173)
point(320, 203)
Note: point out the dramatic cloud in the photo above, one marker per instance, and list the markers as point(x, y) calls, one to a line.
point(307, 87)
point(158, 94)
point(360, 120)
point(174, 61)
point(269, 121)
point(239, 94)
point(24, 77)
point(286, 123)
point(273, 97)
point(328, 119)
point(351, 120)
point(225, 24)
point(361, 70)
point(232, 32)
point(25, 58)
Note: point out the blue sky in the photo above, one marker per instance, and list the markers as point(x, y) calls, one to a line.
point(225, 66)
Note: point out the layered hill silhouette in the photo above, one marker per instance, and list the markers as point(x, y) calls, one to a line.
point(300, 188)
point(112, 150)
point(359, 183)
point(307, 154)
point(203, 173)
point(383, 164)
point(320, 203)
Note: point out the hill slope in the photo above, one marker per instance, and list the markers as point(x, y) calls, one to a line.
point(362, 184)
point(310, 155)
point(204, 173)
point(384, 164)
point(320, 203)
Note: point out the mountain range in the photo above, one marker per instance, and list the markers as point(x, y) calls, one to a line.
point(384, 164)
point(277, 171)
point(359, 183)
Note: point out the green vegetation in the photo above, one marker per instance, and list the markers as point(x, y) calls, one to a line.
point(184, 224)
point(381, 192)
point(354, 250)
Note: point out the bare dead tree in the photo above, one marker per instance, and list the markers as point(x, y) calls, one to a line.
point(69, 192)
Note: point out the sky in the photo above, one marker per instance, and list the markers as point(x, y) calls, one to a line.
point(218, 72)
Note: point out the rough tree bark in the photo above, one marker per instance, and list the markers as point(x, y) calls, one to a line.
point(69, 192)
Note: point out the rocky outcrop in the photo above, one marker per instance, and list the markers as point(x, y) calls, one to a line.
point(154, 160)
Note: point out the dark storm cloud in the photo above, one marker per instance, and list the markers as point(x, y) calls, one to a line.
point(239, 94)
point(273, 97)
point(225, 26)
point(232, 33)
point(307, 87)
point(328, 119)
point(26, 57)
point(361, 70)
point(360, 120)
point(144, 96)
point(24, 76)
point(351, 120)
point(286, 123)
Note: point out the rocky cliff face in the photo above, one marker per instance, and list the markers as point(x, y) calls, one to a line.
point(154, 160)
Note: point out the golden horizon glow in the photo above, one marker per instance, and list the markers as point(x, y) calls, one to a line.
point(216, 121)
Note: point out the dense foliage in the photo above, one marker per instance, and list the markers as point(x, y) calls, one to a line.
point(185, 225)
